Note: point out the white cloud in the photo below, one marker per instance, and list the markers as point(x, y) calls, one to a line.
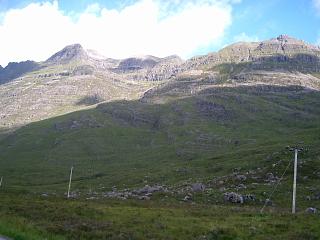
point(145, 27)
point(243, 37)
point(316, 3)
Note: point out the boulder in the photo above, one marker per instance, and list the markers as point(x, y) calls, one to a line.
point(198, 187)
point(249, 198)
point(144, 198)
point(148, 189)
point(241, 186)
point(268, 202)
point(233, 197)
point(311, 210)
point(241, 178)
point(187, 198)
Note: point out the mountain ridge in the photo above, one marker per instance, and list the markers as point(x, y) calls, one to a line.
point(72, 79)
point(237, 52)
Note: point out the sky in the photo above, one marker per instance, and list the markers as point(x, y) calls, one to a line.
point(36, 29)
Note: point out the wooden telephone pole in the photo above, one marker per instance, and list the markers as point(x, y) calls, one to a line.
point(295, 169)
point(70, 179)
point(294, 192)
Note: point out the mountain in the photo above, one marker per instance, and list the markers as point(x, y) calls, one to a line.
point(14, 70)
point(73, 52)
point(136, 63)
point(211, 132)
point(282, 53)
point(74, 78)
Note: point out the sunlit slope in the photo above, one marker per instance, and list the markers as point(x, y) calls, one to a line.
point(194, 138)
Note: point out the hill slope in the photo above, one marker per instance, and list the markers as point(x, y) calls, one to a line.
point(196, 126)
point(194, 137)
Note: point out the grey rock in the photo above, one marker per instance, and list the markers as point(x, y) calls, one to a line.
point(144, 198)
point(67, 54)
point(198, 187)
point(233, 197)
point(187, 198)
point(249, 198)
point(221, 182)
point(241, 178)
point(241, 186)
point(311, 210)
point(268, 202)
point(148, 189)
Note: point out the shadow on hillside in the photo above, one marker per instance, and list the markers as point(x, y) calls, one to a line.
point(216, 104)
point(90, 100)
point(15, 70)
point(212, 103)
point(118, 135)
point(304, 63)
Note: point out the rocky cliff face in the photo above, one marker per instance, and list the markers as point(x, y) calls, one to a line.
point(69, 53)
point(132, 64)
point(283, 52)
point(74, 77)
point(149, 68)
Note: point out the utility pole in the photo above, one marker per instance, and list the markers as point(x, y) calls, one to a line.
point(1, 181)
point(294, 192)
point(70, 179)
point(295, 169)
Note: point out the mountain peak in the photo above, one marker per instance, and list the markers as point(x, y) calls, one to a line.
point(284, 37)
point(69, 53)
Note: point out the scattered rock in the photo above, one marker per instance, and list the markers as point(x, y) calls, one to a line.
point(241, 178)
point(317, 196)
point(144, 198)
point(249, 198)
point(236, 170)
point(241, 186)
point(268, 202)
point(269, 176)
point(311, 210)
point(233, 197)
point(198, 187)
point(188, 197)
point(221, 182)
point(148, 189)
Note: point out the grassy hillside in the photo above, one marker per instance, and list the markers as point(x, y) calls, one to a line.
point(26, 217)
point(129, 144)
point(172, 139)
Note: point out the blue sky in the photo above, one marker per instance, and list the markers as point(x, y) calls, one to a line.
point(35, 29)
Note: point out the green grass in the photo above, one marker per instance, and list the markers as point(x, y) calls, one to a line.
point(57, 218)
point(177, 143)
point(121, 143)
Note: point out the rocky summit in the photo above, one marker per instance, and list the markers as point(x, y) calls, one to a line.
point(75, 78)
point(70, 53)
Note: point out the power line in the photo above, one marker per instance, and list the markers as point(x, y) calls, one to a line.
point(270, 195)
